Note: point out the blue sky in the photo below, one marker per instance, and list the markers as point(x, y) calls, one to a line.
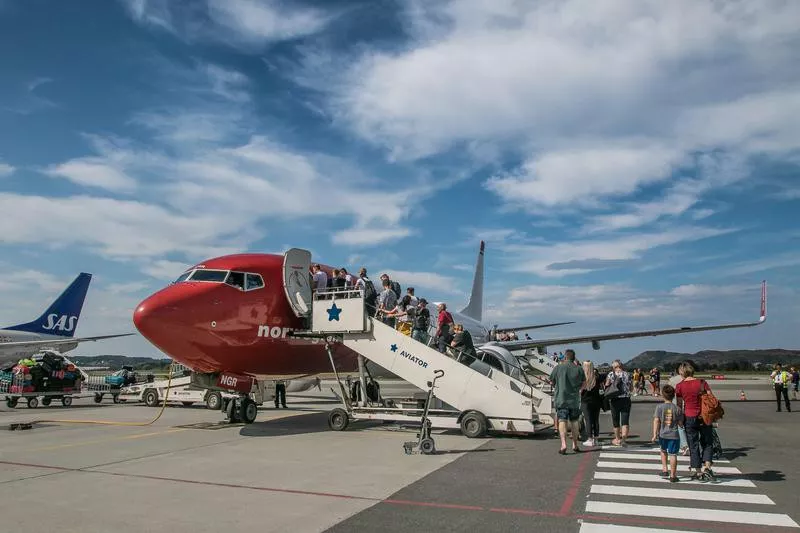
point(633, 166)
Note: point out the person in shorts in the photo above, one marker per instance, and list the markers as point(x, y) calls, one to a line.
point(567, 379)
point(667, 418)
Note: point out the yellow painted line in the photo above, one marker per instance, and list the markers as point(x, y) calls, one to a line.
point(101, 441)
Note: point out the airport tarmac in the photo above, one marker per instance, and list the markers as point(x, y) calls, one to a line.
point(288, 472)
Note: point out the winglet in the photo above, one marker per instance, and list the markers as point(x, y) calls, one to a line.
point(763, 301)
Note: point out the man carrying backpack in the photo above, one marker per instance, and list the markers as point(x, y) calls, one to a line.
point(370, 294)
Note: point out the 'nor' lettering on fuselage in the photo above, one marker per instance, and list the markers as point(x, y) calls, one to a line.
point(273, 332)
point(414, 359)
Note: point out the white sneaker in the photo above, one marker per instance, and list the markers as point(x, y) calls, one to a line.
point(588, 442)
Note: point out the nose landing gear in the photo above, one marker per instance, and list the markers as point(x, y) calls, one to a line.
point(241, 409)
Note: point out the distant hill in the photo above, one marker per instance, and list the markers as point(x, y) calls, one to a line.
point(717, 360)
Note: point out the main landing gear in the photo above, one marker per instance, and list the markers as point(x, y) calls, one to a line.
point(241, 409)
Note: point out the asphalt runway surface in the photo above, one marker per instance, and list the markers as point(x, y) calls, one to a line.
point(288, 472)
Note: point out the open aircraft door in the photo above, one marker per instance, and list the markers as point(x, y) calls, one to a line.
point(296, 282)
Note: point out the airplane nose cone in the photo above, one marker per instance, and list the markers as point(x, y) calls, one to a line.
point(152, 316)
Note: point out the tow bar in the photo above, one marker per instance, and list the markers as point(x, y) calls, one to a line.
point(425, 444)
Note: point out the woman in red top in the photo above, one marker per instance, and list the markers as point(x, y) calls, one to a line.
point(699, 436)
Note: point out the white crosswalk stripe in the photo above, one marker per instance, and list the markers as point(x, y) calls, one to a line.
point(650, 457)
point(612, 528)
point(620, 490)
point(652, 466)
point(684, 480)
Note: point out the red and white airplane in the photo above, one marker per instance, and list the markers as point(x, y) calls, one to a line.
point(230, 317)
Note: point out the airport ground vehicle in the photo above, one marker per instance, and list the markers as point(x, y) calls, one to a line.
point(472, 395)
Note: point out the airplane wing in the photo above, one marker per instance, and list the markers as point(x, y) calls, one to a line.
point(536, 326)
point(594, 339)
point(52, 343)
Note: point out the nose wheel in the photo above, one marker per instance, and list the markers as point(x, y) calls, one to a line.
point(241, 409)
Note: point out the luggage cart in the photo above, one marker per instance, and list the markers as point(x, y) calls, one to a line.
point(14, 393)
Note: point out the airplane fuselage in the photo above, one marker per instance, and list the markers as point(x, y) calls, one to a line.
point(211, 326)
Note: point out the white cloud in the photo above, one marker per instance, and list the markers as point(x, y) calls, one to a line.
point(711, 291)
point(567, 176)
point(30, 280)
point(369, 236)
point(93, 172)
point(582, 256)
point(242, 23)
point(165, 270)
point(6, 170)
point(421, 280)
point(260, 22)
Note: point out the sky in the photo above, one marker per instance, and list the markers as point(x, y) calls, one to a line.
point(631, 165)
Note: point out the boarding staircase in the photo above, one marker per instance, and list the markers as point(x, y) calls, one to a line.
point(507, 403)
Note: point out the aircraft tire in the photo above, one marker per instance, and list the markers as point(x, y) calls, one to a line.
point(427, 446)
point(150, 398)
point(231, 412)
point(474, 425)
point(248, 411)
point(214, 401)
point(338, 419)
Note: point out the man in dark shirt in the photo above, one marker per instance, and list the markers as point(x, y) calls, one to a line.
point(463, 346)
point(567, 379)
point(421, 322)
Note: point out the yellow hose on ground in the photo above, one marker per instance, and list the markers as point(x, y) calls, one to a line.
point(112, 423)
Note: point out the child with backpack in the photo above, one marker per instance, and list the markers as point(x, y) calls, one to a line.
point(667, 419)
point(701, 409)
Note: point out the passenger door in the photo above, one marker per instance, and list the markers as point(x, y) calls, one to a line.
point(296, 283)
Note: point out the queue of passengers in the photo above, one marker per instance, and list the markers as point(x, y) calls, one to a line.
point(407, 313)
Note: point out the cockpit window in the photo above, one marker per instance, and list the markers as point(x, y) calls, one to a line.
point(236, 279)
point(183, 277)
point(209, 275)
point(254, 281)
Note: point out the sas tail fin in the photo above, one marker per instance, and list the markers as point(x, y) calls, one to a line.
point(474, 308)
point(61, 318)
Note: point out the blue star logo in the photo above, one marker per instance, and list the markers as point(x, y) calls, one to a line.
point(393, 347)
point(333, 313)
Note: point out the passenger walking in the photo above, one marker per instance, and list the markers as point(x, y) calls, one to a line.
point(591, 403)
point(348, 278)
point(365, 284)
point(780, 380)
point(567, 380)
point(795, 382)
point(404, 315)
point(667, 418)
point(676, 378)
point(444, 325)
point(463, 346)
point(410, 293)
point(387, 304)
point(699, 435)
point(320, 277)
point(336, 282)
point(618, 392)
point(422, 322)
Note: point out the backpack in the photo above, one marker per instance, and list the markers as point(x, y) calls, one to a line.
point(370, 294)
point(422, 320)
point(396, 288)
point(710, 407)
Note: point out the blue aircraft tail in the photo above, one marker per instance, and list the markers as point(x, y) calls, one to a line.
point(61, 318)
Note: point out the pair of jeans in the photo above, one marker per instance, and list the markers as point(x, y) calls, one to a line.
point(591, 417)
point(700, 438)
point(620, 411)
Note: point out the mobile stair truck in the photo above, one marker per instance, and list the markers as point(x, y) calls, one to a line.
point(477, 398)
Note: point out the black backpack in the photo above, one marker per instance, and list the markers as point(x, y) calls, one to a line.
point(396, 288)
point(370, 294)
point(422, 319)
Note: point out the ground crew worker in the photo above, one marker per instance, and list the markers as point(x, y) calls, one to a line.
point(280, 393)
point(780, 380)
